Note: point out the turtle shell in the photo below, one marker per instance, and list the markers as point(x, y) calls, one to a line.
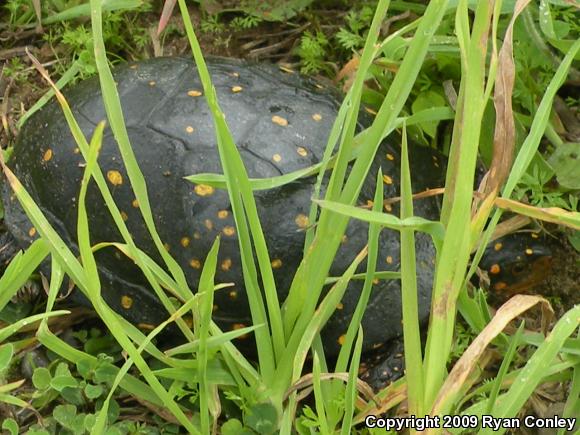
point(280, 122)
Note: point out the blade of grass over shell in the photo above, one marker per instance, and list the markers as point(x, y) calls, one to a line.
point(317, 321)
point(117, 124)
point(112, 206)
point(434, 228)
point(454, 255)
point(203, 320)
point(13, 328)
point(20, 268)
point(313, 270)
point(373, 247)
point(410, 304)
point(270, 348)
point(330, 226)
point(93, 289)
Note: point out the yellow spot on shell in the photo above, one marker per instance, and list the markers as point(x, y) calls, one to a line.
point(370, 203)
point(237, 326)
point(203, 189)
point(388, 208)
point(196, 235)
point(302, 151)
point(208, 224)
point(76, 150)
point(152, 83)
point(195, 263)
point(222, 214)
point(194, 93)
point(390, 157)
point(126, 302)
point(500, 286)
point(236, 89)
point(389, 259)
point(226, 264)
point(317, 117)
point(529, 251)
point(124, 216)
point(32, 232)
point(185, 241)
point(495, 269)
point(277, 158)
point(189, 129)
point(301, 220)
point(115, 177)
point(276, 263)
point(235, 74)
point(375, 281)
point(283, 122)
point(339, 306)
point(47, 155)
point(134, 66)
point(497, 246)
point(229, 231)
point(233, 295)
point(535, 235)
point(387, 179)
point(135, 203)
point(341, 339)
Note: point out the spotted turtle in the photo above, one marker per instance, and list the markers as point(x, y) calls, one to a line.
point(280, 122)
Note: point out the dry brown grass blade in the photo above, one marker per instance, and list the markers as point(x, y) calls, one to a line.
point(166, 13)
point(396, 394)
point(348, 72)
point(38, 12)
point(470, 358)
point(504, 134)
point(554, 215)
point(307, 380)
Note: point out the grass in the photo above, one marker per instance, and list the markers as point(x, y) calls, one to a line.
point(286, 332)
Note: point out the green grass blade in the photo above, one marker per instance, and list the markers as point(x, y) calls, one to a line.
point(206, 289)
point(351, 391)
point(410, 304)
point(20, 269)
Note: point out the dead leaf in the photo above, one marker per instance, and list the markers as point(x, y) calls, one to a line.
point(470, 358)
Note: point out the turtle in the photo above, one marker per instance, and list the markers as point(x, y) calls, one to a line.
point(280, 122)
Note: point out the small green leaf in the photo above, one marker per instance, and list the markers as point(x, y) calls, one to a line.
point(427, 100)
point(63, 381)
point(235, 427)
point(65, 415)
point(6, 353)
point(11, 426)
point(93, 391)
point(263, 418)
point(41, 378)
point(565, 162)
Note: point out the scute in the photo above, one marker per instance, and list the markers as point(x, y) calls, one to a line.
point(280, 122)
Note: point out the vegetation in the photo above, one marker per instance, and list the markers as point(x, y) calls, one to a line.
point(426, 72)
